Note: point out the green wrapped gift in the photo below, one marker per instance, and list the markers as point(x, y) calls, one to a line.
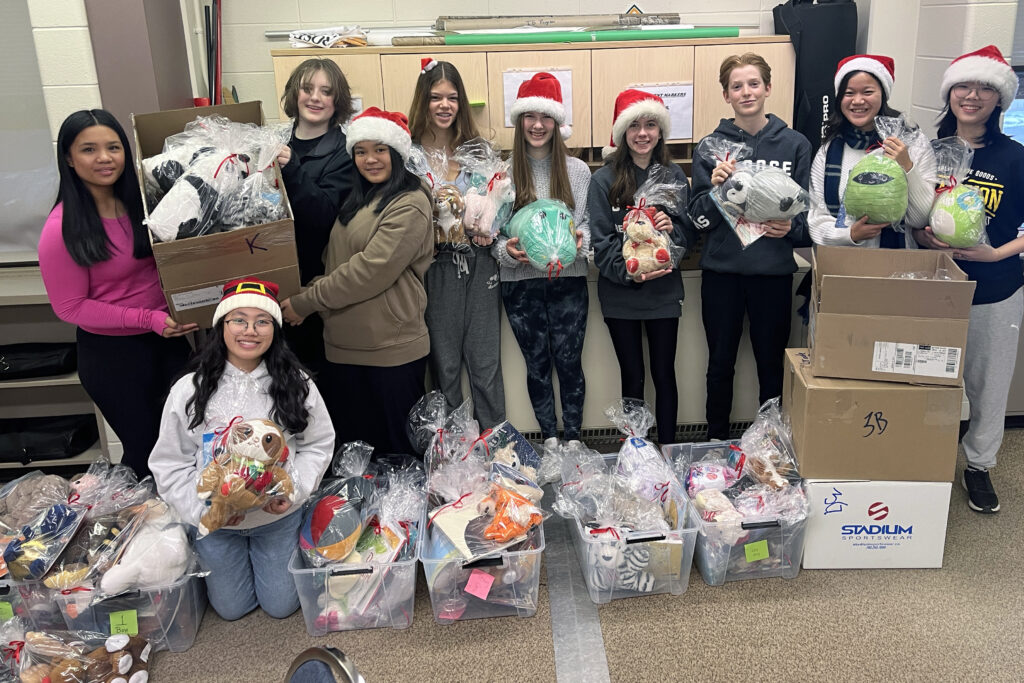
point(877, 188)
point(546, 233)
point(958, 216)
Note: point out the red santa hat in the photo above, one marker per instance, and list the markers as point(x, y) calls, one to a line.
point(249, 293)
point(542, 93)
point(426, 64)
point(389, 127)
point(879, 66)
point(629, 106)
point(982, 66)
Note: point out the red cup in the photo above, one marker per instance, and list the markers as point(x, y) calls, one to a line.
point(201, 101)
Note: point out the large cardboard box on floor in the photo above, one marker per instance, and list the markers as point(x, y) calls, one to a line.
point(856, 429)
point(876, 524)
point(193, 271)
point(867, 324)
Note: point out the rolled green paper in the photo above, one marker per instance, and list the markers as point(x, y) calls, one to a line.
point(877, 188)
point(546, 233)
point(589, 36)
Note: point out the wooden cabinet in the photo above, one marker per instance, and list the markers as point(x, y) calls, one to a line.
point(400, 73)
point(362, 71)
point(386, 76)
point(26, 316)
point(621, 68)
point(709, 107)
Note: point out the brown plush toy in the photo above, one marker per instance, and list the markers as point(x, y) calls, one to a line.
point(122, 659)
point(644, 249)
point(449, 208)
point(246, 475)
point(37, 673)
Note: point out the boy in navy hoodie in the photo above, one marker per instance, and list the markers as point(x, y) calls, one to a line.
point(756, 281)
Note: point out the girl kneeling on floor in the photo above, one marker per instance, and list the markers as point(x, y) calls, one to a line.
point(245, 369)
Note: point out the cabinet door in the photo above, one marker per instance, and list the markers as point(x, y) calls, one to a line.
point(709, 107)
point(576, 61)
point(400, 73)
point(616, 69)
point(361, 71)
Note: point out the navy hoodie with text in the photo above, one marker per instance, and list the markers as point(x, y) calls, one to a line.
point(774, 145)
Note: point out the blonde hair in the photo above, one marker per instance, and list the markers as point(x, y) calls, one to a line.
point(746, 59)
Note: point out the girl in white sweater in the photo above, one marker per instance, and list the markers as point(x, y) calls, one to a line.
point(863, 84)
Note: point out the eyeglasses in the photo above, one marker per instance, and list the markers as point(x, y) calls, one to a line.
point(261, 325)
point(983, 92)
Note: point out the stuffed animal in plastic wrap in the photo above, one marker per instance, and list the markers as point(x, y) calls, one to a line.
point(449, 205)
point(333, 523)
point(24, 498)
point(958, 214)
point(877, 186)
point(31, 554)
point(547, 233)
point(66, 657)
point(157, 556)
point(617, 566)
point(490, 196)
point(644, 249)
point(753, 194)
point(246, 475)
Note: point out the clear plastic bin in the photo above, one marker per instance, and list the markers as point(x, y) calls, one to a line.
point(343, 597)
point(768, 547)
point(33, 603)
point(638, 563)
point(506, 584)
point(169, 617)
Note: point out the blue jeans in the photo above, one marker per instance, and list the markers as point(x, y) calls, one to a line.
point(249, 568)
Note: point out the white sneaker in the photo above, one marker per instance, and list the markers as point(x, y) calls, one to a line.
point(551, 443)
point(575, 443)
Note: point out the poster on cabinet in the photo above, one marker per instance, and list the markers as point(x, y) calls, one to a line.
point(678, 98)
point(512, 79)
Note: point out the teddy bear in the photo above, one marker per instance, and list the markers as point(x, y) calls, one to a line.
point(246, 474)
point(449, 208)
point(644, 249)
point(507, 455)
point(121, 659)
point(156, 556)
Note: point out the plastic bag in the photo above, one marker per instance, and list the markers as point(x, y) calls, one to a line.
point(441, 435)
point(12, 648)
point(41, 541)
point(645, 249)
point(258, 200)
point(491, 195)
point(547, 233)
point(250, 467)
point(84, 656)
point(24, 498)
point(639, 461)
point(877, 186)
point(753, 194)
point(449, 205)
point(767, 448)
point(335, 517)
point(504, 444)
point(958, 214)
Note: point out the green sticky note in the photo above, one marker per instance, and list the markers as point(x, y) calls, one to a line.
point(124, 622)
point(756, 551)
point(6, 611)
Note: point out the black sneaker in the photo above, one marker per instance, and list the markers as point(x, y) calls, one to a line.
point(980, 494)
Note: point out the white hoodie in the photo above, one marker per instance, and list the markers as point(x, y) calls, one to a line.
point(177, 456)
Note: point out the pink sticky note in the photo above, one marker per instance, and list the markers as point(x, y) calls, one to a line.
point(479, 584)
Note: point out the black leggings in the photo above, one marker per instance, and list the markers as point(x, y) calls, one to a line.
point(128, 379)
point(627, 338)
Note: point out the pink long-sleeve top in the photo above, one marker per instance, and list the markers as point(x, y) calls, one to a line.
point(117, 297)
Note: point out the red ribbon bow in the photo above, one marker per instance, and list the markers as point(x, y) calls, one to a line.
point(224, 431)
point(606, 530)
point(641, 206)
point(947, 188)
point(13, 650)
point(552, 266)
point(233, 159)
point(457, 505)
point(76, 589)
point(490, 183)
point(482, 439)
point(663, 487)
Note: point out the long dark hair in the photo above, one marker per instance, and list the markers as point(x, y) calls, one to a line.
point(289, 387)
point(365, 193)
point(522, 174)
point(463, 128)
point(836, 119)
point(948, 125)
point(81, 226)
point(624, 186)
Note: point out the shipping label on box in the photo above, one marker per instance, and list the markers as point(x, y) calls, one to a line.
point(857, 429)
point(876, 524)
point(868, 322)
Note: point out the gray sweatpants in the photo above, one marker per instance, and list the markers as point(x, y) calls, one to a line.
point(988, 370)
point(464, 319)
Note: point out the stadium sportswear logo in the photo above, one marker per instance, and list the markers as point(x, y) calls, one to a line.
point(877, 530)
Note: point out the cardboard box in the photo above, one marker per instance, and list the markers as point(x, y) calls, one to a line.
point(876, 524)
point(853, 429)
point(865, 324)
point(193, 271)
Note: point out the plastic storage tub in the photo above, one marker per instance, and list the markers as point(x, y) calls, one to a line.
point(506, 584)
point(343, 597)
point(33, 603)
point(169, 617)
point(767, 547)
point(638, 563)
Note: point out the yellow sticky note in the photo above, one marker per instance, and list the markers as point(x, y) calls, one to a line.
point(757, 550)
point(124, 622)
point(6, 611)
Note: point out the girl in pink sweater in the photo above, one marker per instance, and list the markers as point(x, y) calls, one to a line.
point(98, 268)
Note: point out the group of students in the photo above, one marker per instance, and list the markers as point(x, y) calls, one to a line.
point(381, 300)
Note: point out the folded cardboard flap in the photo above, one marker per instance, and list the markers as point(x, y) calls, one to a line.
point(889, 297)
point(881, 263)
point(152, 129)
